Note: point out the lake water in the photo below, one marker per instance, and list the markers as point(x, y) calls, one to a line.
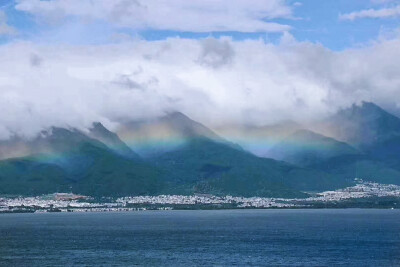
point(208, 238)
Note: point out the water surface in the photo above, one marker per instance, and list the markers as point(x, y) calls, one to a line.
point(209, 238)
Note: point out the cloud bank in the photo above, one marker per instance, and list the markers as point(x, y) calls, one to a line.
point(176, 15)
point(215, 81)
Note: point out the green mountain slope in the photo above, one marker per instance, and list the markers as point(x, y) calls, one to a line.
point(71, 161)
point(305, 148)
point(208, 167)
point(360, 166)
point(376, 133)
point(363, 125)
point(101, 164)
point(27, 176)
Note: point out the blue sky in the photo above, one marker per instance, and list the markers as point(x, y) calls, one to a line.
point(321, 24)
point(310, 20)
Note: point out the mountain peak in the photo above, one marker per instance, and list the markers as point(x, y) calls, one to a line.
point(178, 118)
point(177, 115)
point(188, 127)
point(97, 125)
point(366, 111)
point(305, 134)
point(363, 124)
point(163, 134)
point(101, 133)
point(363, 109)
point(99, 129)
point(370, 106)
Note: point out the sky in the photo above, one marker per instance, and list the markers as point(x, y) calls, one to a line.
point(72, 62)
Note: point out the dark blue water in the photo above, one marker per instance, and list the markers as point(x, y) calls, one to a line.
point(207, 238)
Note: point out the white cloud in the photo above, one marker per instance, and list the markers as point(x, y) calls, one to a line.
point(178, 15)
point(388, 12)
point(214, 81)
point(5, 29)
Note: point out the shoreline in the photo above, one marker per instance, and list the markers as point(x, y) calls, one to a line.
point(193, 209)
point(363, 195)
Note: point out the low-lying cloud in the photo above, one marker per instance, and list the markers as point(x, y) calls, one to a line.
point(176, 15)
point(215, 81)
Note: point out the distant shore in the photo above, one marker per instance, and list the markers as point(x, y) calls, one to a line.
point(363, 195)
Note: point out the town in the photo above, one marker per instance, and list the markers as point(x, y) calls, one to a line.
point(68, 202)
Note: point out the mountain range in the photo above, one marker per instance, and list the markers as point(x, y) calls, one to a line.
point(174, 154)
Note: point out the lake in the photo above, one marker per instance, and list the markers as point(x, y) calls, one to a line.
point(323, 237)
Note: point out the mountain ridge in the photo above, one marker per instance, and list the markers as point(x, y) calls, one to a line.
point(191, 158)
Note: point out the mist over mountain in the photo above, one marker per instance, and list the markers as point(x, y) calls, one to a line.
point(305, 147)
point(174, 154)
point(362, 125)
point(111, 140)
point(259, 139)
point(68, 160)
point(217, 168)
point(166, 133)
point(94, 164)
